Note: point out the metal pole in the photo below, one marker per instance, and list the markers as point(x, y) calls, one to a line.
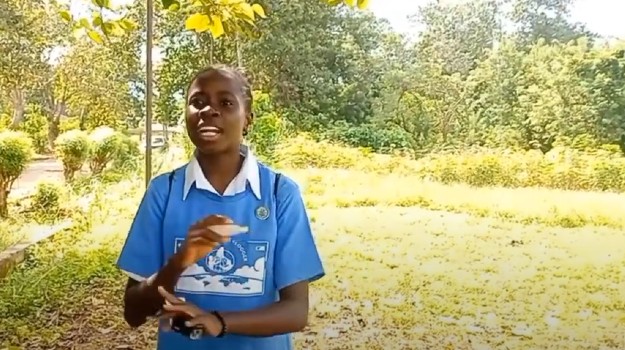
point(148, 91)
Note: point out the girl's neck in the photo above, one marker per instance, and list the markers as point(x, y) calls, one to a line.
point(220, 169)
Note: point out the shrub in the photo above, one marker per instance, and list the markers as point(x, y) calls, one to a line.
point(561, 168)
point(16, 151)
point(36, 126)
point(46, 202)
point(266, 133)
point(106, 145)
point(379, 138)
point(182, 140)
point(128, 154)
point(303, 152)
point(73, 148)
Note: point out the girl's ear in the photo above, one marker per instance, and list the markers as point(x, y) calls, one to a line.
point(248, 120)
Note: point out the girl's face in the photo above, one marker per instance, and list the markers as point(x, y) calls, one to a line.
point(216, 112)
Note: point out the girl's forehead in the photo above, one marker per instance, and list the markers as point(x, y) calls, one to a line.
point(216, 77)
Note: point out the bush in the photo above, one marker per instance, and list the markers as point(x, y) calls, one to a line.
point(303, 152)
point(73, 148)
point(46, 202)
point(561, 168)
point(267, 131)
point(36, 126)
point(379, 138)
point(106, 146)
point(16, 150)
point(128, 155)
point(182, 140)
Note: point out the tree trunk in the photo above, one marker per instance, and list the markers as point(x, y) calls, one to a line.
point(4, 194)
point(53, 131)
point(83, 120)
point(19, 107)
point(239, 53)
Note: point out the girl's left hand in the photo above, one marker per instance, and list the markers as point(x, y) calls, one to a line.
point(177, 307)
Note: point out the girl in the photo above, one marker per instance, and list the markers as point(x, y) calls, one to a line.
point(245, 292)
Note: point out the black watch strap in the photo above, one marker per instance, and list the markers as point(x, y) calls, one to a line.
point(224, 327)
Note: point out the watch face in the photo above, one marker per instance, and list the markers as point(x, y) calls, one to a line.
point(196, 334)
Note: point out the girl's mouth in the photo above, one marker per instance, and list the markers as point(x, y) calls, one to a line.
point(209, 133)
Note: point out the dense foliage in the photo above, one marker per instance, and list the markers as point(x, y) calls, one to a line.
point(540, 82)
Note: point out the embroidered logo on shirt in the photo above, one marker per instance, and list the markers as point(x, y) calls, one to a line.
point(262, 212)
point(235, 269)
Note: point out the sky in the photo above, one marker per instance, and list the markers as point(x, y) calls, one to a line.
point(604, 17)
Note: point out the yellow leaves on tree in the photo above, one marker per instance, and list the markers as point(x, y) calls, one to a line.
point(201, 23)
point(212, 15)
point(205, 16)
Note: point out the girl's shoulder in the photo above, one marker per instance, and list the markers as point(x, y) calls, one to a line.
point(162, 182)
point(283, 182)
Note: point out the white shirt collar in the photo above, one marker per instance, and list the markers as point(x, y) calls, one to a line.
point(249, 173)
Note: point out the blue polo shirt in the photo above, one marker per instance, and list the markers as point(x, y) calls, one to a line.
point(244, 274)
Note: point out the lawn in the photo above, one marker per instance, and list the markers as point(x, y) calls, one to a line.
point(411, 265)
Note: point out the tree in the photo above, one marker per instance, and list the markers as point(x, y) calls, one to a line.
point(458, 35)
point(28, 32)
point(545, 19)
point(215, 16)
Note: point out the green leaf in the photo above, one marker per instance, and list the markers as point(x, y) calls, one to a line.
point(97, 20)
point(168, 4)
point(84, 23)
point(112, 28)
point(66, 16)
point(171, 5)
point(95, 36)
point(102, 3)
point(363, 4)
point(127, 24)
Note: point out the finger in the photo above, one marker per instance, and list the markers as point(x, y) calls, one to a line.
point(215, 220)
point(205, 236)
point(169, 298)
point(165, 324)
point(169, 315)
point(195, 321)
point(187, 309)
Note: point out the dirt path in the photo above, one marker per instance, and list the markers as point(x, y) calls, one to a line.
point(49, 169)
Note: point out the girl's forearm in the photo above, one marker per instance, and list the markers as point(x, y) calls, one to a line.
point(285, 316)
point(142, 299)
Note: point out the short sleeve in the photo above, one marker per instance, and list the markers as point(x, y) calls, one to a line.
point(141, 255)
point(296, 257)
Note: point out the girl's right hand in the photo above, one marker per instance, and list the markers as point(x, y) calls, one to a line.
point(200, 240)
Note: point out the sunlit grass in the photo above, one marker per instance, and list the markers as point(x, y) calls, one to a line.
point(410, 265)
point(343, 188)
point(431, 279)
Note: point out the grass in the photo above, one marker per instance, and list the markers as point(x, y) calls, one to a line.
point(410, 264)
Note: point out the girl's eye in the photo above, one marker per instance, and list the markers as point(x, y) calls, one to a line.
point(198, 103)
point(226, 103)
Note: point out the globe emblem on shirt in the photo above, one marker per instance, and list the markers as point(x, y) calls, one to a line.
point(220, 261)
point(262, 212)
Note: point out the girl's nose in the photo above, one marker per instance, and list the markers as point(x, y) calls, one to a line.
point(208, 111)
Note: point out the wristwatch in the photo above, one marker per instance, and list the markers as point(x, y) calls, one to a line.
point(178, 324)
point(193, 333)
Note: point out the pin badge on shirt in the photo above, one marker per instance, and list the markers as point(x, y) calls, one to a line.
point(262, 212)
